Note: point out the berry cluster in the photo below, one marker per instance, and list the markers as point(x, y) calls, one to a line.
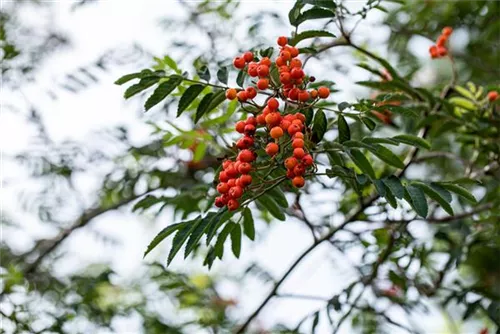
point(284, 137)
point(235, 177)
point(439, 50)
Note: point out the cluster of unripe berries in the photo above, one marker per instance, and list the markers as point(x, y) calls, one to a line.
point(439, 49)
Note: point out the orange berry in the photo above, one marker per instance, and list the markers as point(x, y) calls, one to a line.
point(492, 96)
point(245, 180)
point(242, 96)
point(251, 120)
point(263, 71)
point(261, 119)
point(246, 156)
point(447, 31)
point(283, 68)
point(433, 50)
point(294, 52)
point(303, 96)
point(273, 119)
point(240, 126)
point(235, 192)
point(282, 41)
point(272, 149)
point(285, 124)
point(301, 117)
point(276, 132)
point(298, 135)
point(239, 62)
point(248, 56)
point(265, 61)
point(299, 170)
point(442, 51)
point(263, 84)
point(291, 162)
point(313, 93)
point(232, 204)
point(244, 168)
point(273, 104)
point(293, 94)
point(298, 143)
point(295, 63)
point(231, 182)
point(297, 73)
point(298, 181)
point(323, 92)
point(231, 94)
point(293, 128)
point(252, 69)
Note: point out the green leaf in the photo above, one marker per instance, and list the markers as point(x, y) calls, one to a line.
point(389, 196)
point(362, 162)
point(240, 79)
point(209, 102)
point(460, 191)
point(393, 183)
point(188, 97)
point(463, 103)
point(416, 198)
point(385, 155)
point(309, 113)
point(222, 75)
point(221, 239)
point(294, 13)
point(144, 84)
point(127, 77)
point(181, 237)
point(279, 197)
point(443, 192)
point(344, 132)
point(368, 122)
point(224, 215)
point(163, 234)
point(309, 34)
point(313, 14)
point(379, 185)
point(171, 63)
point(204, 73)
point(236, 240)
point(319, 125)
point(322, 3)
point(412, 140)
point(435, 196)
point(344, 105)
point(375, 140)
point(248, 224)
point(270, 204)
point(267, 52)
point(200, 229)
point(274, 75)
point(315, 322)
point(162, 91)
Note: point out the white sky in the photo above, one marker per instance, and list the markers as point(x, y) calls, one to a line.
point(109, 24)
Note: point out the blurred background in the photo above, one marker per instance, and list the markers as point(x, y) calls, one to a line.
point(76, 158)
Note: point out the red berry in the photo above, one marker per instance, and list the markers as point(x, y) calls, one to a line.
point(265, 61)
point(242, 96)
point(235, 192)
point(280, 61)
point(263, 83)
point(261, 119)
point(272, 149)
point(308, 160)
point(298, 181)
point(282, 41)
point(294, 52)
point(323, 92)
point(232, 204)
point(299, 153)
point(244, 168)
point(433, 50)
point(273, 104)
point(239, 62)
point(298, 135)
point(263, 70)
point(231, 172)
point(303, 96)
point(285, 55)
point(251, 92)
point(293, 128)
point(226, 164)
point(299, 170)
point(219, 202)
point(240, 126)
point(290, 174)
point(231, 183)
point(245, 180)
point(294, 94)
point(248, 56)
point(285, 124)
point(252, 69)
point(244, 143)
point(249, 129)
point(273, 119)
point(291, 162)
point(313, 93)
point(285, 78)
point(298, 143)
point(447, 31)
point(492, 96)
point(251, 120)
point(297, 73)
point(223, 177)
point(441, 41)
point(222, 188)
point(442, 51)
point(295, 63)
point(246, 156)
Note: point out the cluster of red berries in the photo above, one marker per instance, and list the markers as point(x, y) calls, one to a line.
point(439, 50)
point(284, 133)
point(235, 175)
